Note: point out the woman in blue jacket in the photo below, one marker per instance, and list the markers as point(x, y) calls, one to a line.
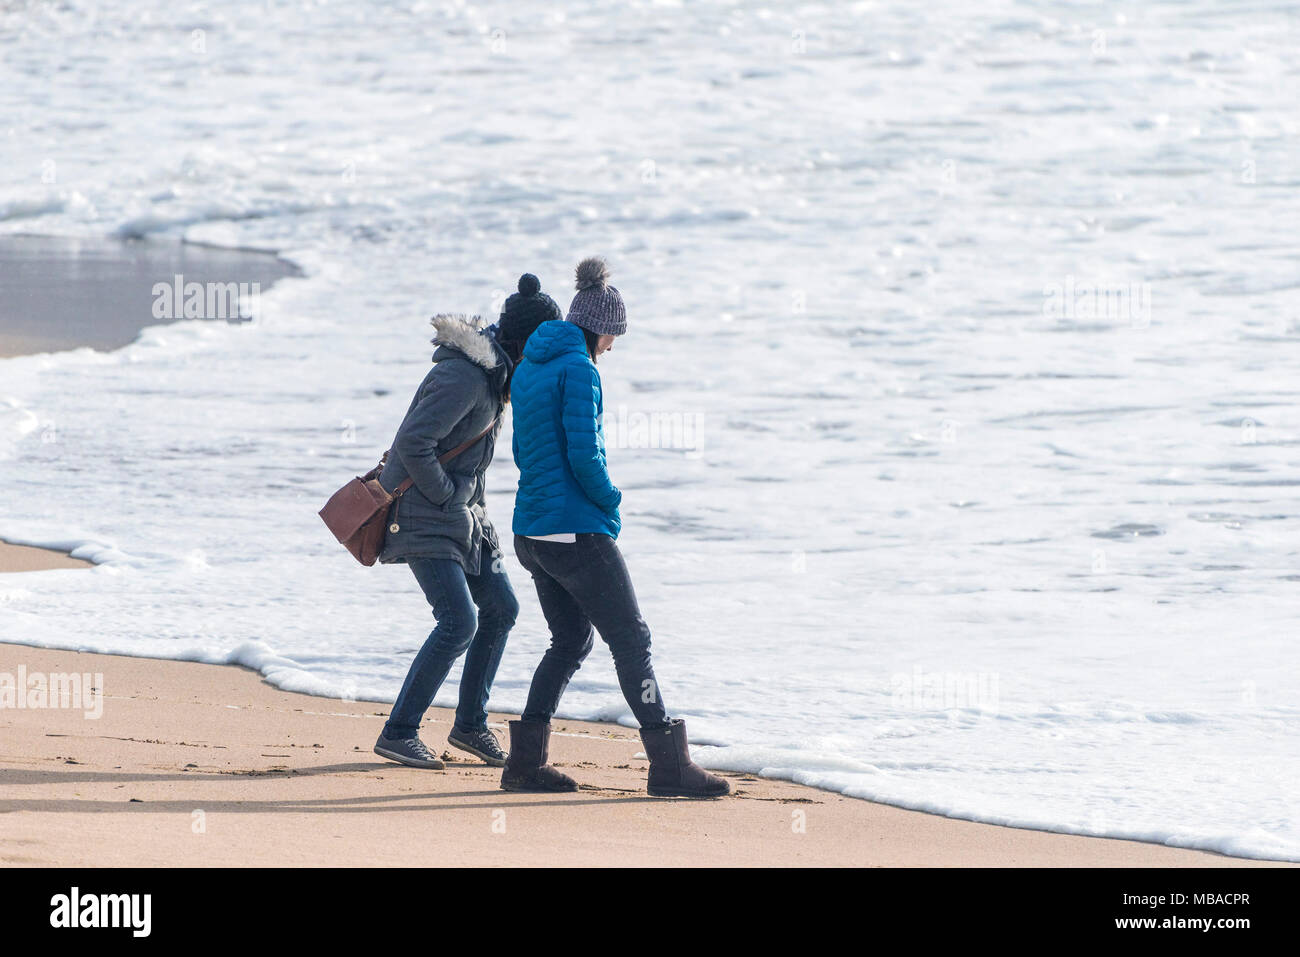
point(566, 520)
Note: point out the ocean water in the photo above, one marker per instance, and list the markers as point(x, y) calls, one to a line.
point(970, 332)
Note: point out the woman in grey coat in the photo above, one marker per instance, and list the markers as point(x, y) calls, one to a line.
point(440, 528)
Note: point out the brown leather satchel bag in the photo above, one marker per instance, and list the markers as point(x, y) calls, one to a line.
point(357, 513)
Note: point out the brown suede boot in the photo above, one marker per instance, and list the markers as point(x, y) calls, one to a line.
point(672, 772)
point(526, 768)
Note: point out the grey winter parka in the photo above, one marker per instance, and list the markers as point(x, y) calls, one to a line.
point(443, 514)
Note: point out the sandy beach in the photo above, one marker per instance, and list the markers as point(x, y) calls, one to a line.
point(196, 765)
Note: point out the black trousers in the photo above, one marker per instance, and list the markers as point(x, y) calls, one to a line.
point(581, 585)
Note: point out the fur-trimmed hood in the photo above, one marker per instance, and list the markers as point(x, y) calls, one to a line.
point(466, 334)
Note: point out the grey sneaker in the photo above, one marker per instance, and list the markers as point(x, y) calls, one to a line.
point(410, 751)
point(481, 743)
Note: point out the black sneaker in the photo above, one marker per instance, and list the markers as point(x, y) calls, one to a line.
point(481, 743)
point(410, 751)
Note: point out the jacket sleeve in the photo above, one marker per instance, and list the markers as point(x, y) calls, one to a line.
point(447, 399)
point(580, 391)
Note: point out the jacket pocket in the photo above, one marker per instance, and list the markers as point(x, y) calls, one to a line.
point(464, 490)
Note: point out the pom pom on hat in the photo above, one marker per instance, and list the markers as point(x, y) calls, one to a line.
point(592, 273)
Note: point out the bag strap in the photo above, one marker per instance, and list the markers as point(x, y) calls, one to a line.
point(445, 457)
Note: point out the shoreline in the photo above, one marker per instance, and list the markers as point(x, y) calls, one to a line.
point(843, 831)
point(274, 777)
point(70, 292)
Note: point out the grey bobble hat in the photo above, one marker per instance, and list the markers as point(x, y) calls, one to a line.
point(598, 306)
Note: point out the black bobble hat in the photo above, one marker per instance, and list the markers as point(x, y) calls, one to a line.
point(525, 311)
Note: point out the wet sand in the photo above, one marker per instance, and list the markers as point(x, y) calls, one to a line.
point(58, 293)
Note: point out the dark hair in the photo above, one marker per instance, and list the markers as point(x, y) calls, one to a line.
point(592, 341)
point(514, 350)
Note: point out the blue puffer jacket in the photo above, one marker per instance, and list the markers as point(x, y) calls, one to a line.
point(559, 443)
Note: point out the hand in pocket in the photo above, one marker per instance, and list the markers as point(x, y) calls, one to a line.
point(464, 485)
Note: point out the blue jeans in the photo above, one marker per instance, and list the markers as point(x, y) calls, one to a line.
point(580, 585)
point(482, 630)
